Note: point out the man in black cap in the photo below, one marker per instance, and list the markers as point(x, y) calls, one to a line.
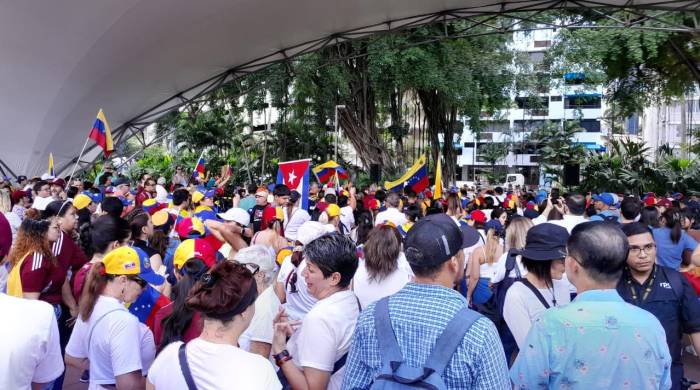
point(428, 316)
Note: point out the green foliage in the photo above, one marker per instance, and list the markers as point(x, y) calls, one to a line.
point(557, 146)
point(638, 66)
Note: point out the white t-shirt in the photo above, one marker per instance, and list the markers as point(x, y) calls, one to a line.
point(14, 221)
point(392, 215)
point(213, 366)
point(260, 328)
point(120, 343)
point(325, 335)
point(30, 343)
point(347, 218)
point(292, 224)
point(569, 221)
point(371, 291)
point(300, 302)
point(521, 307)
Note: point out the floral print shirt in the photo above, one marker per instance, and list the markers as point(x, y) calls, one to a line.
point(596, 342)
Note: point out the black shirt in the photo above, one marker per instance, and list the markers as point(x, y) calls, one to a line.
point(143, 245)
point(673, 301)
point(256, 214)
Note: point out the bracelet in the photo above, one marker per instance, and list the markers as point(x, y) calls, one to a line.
point(282, 357)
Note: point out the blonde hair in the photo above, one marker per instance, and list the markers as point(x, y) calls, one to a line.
point(5, 201)
point(491, 246)
point(517, 232)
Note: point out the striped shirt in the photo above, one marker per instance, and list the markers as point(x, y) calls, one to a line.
point(419, 313)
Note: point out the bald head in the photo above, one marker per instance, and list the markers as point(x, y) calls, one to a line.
point(601, 250)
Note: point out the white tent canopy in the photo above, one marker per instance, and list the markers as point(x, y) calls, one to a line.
point(63, 60)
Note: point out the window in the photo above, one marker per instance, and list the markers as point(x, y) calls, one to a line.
point(532, 102)
point(582, 101)
point(534, 159)
point(527, 125)
point(555, 98)
point(536, 57)
point(496, 126)
point(543, 43)
point(591, 125)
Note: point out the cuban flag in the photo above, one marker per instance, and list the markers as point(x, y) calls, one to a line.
point(102, 134)
point(199, 168)
point(147, 305)
point(326, 172)
point(295, 175)
point(416, 178)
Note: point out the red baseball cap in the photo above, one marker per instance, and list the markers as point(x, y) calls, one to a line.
point(478, 216)
point(196, 248)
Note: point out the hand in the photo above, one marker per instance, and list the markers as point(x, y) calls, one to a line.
point(353, 191)
point(284, 328)
point(694, 387)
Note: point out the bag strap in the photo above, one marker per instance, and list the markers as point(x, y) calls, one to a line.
point(511, 265)
point(535, 291)
point(388, 346)
point(185, 367)
point(450, 339)
point(94, 325)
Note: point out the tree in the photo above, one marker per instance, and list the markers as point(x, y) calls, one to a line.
point(493, 153)
point(557, 146)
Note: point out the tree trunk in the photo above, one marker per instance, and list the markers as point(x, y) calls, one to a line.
point(440, 118)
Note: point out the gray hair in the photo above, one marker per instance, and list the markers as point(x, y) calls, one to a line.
point(261, 255)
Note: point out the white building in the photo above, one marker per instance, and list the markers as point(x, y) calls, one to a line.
point(672, 123)
point(562, 100)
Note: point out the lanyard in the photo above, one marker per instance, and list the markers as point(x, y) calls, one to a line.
point(647, 290)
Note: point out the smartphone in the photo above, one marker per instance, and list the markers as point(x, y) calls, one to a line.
point(554, 194)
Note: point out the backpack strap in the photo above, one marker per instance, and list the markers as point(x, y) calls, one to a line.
point(511, 265)
point(535, 291)
point(185, 367)
point(388, 346)
point(450, 339)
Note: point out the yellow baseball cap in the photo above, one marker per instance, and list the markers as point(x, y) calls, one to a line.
point(81, 201)
point(333, 210)
point(131, 261)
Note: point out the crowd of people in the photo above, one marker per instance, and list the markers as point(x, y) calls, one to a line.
point(182, 283)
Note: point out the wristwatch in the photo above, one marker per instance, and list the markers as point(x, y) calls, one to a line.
point(282, 357)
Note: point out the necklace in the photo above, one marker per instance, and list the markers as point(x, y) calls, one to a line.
point(647, 290)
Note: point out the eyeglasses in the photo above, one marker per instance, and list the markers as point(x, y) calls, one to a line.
point(142, 283)
point(636, 250)
point(259, 196)
point(253, 268)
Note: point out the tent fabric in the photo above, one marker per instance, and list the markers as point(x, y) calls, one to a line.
point(64, 60)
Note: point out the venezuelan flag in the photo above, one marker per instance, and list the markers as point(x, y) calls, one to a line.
point(102, 134)
point(327, 171)
point(199, 168)
point(438, 180)
point(416, 178)
point(51, 170)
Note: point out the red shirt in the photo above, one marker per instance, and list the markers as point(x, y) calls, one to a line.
point(192, 332)
point(68, 254)
point(40, 274)
point(79, 280)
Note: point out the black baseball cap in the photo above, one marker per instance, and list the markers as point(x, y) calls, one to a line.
point(545, 241)
point(432, 241)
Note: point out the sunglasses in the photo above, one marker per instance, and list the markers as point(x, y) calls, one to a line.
point(253, 268)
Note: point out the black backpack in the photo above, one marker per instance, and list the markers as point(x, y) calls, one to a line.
point(493, 308)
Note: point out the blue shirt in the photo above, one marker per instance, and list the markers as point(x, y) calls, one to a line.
point(419, 313)
point(596, 342)
point(606, 215)
point(669, 254)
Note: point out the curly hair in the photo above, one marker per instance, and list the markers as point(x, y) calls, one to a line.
point(31, 238)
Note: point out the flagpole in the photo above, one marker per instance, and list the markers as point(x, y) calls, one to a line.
point(195, 166)
point(75, 166)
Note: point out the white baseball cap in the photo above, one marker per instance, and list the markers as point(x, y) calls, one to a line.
point(311, 230)
point(236, 214)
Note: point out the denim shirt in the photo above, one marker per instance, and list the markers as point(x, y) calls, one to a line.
point(596, 342)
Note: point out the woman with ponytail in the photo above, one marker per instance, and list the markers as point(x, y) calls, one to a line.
point(176, 321)
point(671, 241)
point(116, 347)
point(99, 238)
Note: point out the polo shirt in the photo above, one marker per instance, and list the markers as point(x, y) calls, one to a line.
point(668, 253)
point(678, 311)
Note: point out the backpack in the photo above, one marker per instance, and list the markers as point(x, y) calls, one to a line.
point(493, 308)
point(395, 373)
